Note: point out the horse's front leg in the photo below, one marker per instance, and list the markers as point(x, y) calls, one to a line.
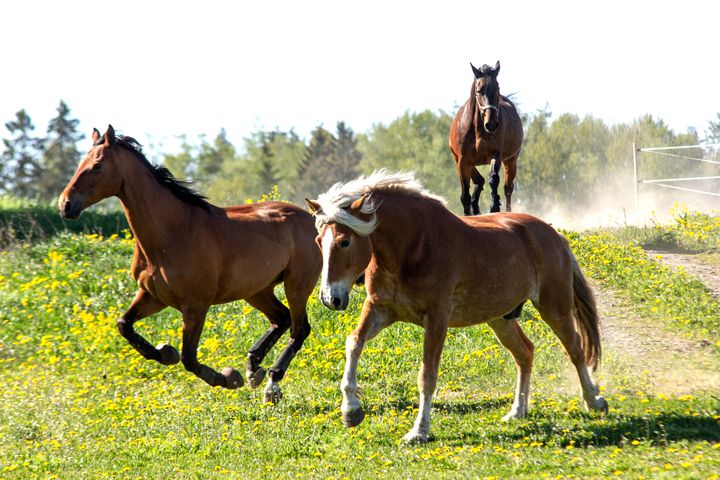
point(494, 182)
point(510, 167)
point(436, 325)
point(479, 182)
point(193, 322)
point(464, 173)
point(372, 320)
point(143, 306)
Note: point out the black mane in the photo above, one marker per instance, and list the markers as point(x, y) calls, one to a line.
point(180, 188)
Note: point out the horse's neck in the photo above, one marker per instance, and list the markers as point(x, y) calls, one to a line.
point(398, 232)
point(156, 217)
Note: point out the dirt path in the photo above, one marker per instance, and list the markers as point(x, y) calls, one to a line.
point(706, 273)
point(640, 354)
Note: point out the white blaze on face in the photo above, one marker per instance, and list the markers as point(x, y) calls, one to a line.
point(326, 244)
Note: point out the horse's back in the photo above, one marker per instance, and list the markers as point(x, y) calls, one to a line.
point(259, 242)
point(503, 260)
point(520, 230)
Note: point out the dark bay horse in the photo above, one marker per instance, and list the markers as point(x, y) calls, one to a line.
point(190, 254)
point(426, 266)
point(487, 130)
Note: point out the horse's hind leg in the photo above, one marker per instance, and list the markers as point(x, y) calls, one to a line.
point(193, 322)
point(279, 317)
point(143, 306)
point(510, 167)
point(564, 328)
point(511, 336)
point(479, 182)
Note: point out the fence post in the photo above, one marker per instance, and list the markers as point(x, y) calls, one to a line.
point(635, 181)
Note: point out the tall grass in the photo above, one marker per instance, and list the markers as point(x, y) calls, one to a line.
point(23, 220)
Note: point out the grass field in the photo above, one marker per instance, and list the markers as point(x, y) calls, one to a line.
point(77, 402)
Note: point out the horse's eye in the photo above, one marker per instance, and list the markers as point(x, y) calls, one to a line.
point(97, 167)
point(344, 243)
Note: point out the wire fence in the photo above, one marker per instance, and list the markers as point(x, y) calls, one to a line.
point(666, 182)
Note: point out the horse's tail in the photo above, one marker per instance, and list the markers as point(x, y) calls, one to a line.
point(586, 317)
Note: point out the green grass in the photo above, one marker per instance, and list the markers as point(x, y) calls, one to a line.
point(77, 402)
point(687, 232)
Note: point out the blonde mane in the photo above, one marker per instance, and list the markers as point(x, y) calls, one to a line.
point(334, 202)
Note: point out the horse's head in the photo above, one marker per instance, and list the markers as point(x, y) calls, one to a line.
point(96, 177)
point(487, 95)
point(345, 254)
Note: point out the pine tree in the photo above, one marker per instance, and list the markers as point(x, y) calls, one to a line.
point(316, 171)
point(347, 155)
point(211, 158)
point(20, 169)
point(265, 168)
point(61, 154)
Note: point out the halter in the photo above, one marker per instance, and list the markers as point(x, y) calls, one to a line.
point(489, 107)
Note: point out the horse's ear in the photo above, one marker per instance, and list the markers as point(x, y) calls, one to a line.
point(355, 206)
point(109, 136)
point(313, 206)
point(497, 68)
point(95, 136)
point(476, 72)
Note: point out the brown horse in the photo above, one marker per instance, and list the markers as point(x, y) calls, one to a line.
point(487, 130)
point(426, 266)
point(190, 255)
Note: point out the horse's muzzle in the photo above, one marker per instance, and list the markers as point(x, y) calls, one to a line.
point(335, 300)
point(68, 209)
point(491, 126)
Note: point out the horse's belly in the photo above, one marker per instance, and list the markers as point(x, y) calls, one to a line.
point(465, 317)
point(472, 309)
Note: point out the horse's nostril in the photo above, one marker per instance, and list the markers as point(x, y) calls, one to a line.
point(66, 206)
point(336, 302)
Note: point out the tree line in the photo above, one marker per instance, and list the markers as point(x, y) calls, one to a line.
point(566, 162)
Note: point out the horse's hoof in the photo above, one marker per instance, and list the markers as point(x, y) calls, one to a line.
point(233, 379)
point(273, 394)
point(168, 354)
point(513, 415)
point(255, 378)
point(599, 404)
point(415, 437)
point(353, 418)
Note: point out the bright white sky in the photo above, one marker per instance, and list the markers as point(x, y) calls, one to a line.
point(156, 69)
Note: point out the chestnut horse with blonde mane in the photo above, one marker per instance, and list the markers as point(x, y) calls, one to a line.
point(426, 266)
point(190, 254)
point(487, 130)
